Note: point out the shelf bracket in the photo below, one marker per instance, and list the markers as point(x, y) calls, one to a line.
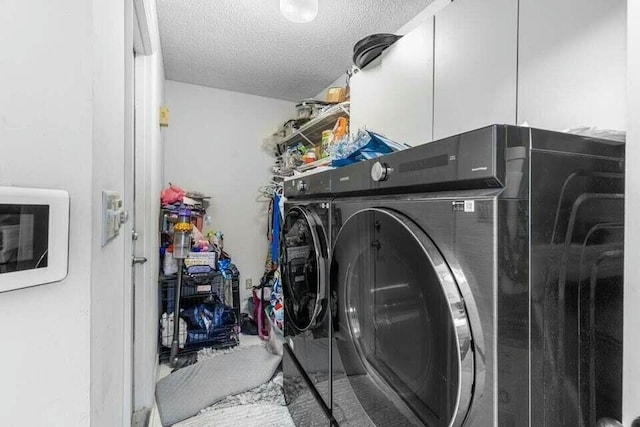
point(307, 139)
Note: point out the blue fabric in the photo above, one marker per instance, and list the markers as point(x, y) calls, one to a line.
point(199, 269)
point(223, 266)
point(204, 321)
point(275, 230)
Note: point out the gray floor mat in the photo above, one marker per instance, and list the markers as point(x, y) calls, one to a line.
point(255, 415)
point(185, 392)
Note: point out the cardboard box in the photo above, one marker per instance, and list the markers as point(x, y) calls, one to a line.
point(336, 94)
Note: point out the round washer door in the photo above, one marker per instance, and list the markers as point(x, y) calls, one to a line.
point(303, 264)
point(399, 304)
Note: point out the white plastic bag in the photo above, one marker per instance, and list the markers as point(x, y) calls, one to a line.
point(166, 326)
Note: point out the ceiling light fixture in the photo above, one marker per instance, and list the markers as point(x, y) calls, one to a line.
point(299, 11)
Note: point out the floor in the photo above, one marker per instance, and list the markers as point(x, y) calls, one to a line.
point(164, 370)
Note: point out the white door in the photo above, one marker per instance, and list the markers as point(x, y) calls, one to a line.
point(631, 364)
point(135, 197)
point(571, 63)
point(400, 81)
point(127, 332)
point(143, 185)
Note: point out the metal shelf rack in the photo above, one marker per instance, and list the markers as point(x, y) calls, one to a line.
point(310, 134)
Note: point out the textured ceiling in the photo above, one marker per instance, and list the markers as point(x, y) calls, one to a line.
point(247, 46)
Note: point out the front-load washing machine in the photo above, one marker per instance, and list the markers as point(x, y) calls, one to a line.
point(479, 282)
point(304, 262)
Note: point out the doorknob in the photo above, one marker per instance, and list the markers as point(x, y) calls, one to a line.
point(138, 260)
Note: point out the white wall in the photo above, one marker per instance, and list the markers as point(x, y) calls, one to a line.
point(46, 139)
point(112, 293)
point(213, 145)
point(108, 281)
point(631, 365)
point(62, 125)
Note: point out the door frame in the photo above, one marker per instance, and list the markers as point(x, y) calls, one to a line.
point(127, 333)
point(138, 48)
point(631, 338)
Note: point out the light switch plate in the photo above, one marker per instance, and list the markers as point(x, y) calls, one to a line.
point(112, 212)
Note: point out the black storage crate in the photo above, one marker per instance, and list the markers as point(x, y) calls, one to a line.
point(196, 290)
point(232, 283)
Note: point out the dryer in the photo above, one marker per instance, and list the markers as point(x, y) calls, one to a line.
point(479, 282)
point(304, 262)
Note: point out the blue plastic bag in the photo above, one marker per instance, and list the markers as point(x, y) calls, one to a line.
point(368, 145)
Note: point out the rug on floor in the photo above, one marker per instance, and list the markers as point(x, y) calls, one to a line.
point(270, 393)
point(254, 415)
point(186, 392)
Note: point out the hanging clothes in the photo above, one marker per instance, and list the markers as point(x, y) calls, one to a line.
point(275, 230)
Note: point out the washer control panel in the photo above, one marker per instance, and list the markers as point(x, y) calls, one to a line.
point(380, 171)
point(308, 186)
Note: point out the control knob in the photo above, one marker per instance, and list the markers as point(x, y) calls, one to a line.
point(380, 171)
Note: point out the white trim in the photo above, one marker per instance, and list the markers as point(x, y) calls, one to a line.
point(425, 16)
point(142, 40)
point(131, 28)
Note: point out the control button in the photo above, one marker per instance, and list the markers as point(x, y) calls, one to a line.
point(379, 171)
point(302, 186)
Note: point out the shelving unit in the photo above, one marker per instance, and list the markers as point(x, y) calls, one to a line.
point(215, 290)
point(310, 134)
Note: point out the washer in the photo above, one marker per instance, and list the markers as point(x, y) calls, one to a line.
point(304, 262)
point(479, 282)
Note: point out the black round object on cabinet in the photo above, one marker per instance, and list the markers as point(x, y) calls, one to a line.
point(370, 47)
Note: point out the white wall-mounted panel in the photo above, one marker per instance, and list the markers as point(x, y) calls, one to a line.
point(475, 65)
point(394, 97)
point(572, 63)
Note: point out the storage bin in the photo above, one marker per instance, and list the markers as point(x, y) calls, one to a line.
point(202, 258)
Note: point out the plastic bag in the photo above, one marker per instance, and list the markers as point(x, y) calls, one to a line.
point(172, 194)
point(366, 145)
point(166, 326)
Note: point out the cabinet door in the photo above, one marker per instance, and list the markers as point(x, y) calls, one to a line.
point(393, 96)
point(475, 65)
point(572, 63)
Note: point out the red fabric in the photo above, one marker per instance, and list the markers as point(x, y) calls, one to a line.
point(258, 316)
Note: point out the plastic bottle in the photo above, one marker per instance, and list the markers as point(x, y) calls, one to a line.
point(170, 264)
point(207, 227)
point(310, 156)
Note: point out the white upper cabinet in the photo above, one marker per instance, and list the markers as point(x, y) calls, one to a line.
point(572, 63)
point(475, 65)
point(393, 95)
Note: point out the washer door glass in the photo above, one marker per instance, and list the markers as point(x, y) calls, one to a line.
point(303, 263)
point(401, 307)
